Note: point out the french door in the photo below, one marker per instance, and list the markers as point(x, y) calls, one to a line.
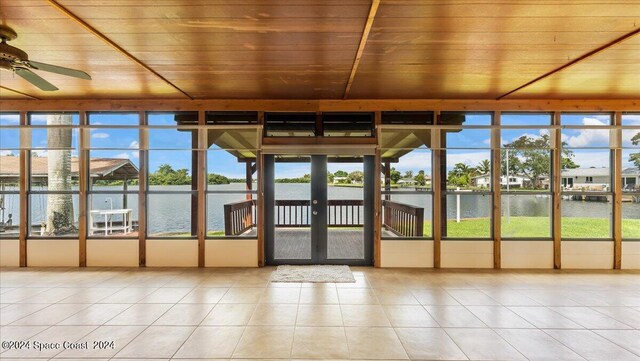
point(317, 215)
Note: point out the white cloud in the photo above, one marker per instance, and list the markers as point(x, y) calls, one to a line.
point(5, 152)
point(589, 137)
point(471, 159)
point(100, 135)
point(592, 159)
point(40, 153)
point(127, 155)
point(10, 119)
point(134, 145)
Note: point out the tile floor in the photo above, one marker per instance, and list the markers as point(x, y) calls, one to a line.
point(162, 314)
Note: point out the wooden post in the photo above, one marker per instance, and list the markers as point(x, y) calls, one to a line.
point(557, 194)
point(377, 201)
point(24, 226)
point(377, 212)
point(387, 178)
point(83, 180)
point(617, 193)
point(142, 191)
point(201, 186)
point(248, 178)
point(495, 183)
point(437, 188)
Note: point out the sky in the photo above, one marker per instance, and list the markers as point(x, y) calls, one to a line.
point(469, 146)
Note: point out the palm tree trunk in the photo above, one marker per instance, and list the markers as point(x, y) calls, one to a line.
point(59, 206)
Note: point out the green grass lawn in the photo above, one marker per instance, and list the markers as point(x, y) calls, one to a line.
point(538, 227)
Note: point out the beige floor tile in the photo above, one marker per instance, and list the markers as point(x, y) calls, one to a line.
point(319, 295)
point(265, 342)
point(364, 316)
point(499, 317)
point(319, 315)
point(211, 342)
point(357, 296)
point(129, 295)
point(156, 342)
point(510, 297)
point(589, 318)
point(166, 295)
point(19, 333)
point(204, 295)
point(17, 311)
point(374, 343)
point(438, 297)
point(320, 343)
point(429, 344)
point(51, 315)
point(274, 315)
point(243, 295)
point(395, 296)
point(543, 317)
point(185, 315)
point(483, 344)
point(537, 345)
point(472, 298)
point(280, 295)
point(409, 316)
point(140, 314)
point(551, 297)
point(592, 346)
point(52, 295)
point(18, 294)
point(361, 282)
point(102, 338)
point(96, 314)
point(52, 335)
point(454, 316)
point(628, 339)
point(229, 315)
point(90, 295)
point(627, 315)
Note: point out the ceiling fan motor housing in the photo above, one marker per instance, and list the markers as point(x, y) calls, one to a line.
point(11, 53)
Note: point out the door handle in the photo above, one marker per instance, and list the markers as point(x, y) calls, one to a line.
point(315, 201)
point(315, 213)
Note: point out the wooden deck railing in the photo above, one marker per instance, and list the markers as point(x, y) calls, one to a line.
point(239, 217)
point(340, 213)
point(402, 219)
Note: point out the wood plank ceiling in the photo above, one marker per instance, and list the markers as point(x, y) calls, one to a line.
point(307, 49)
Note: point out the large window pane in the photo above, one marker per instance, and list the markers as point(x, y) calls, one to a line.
point(169, 215)
point(631, 176)
point(113, 215)
point(54, 214)
point(526, 216)
point(9, 175)
point(631, 216)
point(468, 216)
point(586, 216)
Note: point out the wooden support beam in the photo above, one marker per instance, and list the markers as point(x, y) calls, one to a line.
point(495, 183)
point(617, 193)
point(363, 42)
point(377, 213)
point(23, 230)
point(323, 105)
point(113, 44)
point(19, 92)
point(260, 211)
point(83, 181)
point(142, 191)
point(201, 189)
point(557, 194)
point(248, 178)
point(588, 55)
point(436, 185)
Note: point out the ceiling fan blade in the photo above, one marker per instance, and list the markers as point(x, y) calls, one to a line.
point(58, 69)
point(35, 79)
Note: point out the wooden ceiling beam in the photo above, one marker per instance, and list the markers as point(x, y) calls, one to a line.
point(575, 61)
point(363, 42)
point(327, 105)
point(19, 92)
point(111, 43)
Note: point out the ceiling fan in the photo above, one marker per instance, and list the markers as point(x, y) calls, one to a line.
point(17, 61)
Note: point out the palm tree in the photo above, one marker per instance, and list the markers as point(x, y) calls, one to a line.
point(484, 167)
point(59, 206)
